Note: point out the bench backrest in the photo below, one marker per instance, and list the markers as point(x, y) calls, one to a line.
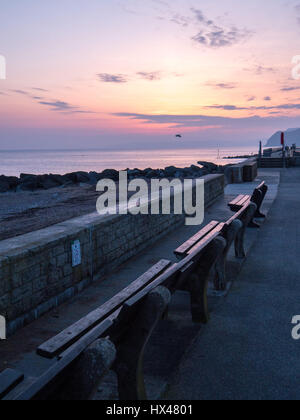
point(239, 202)
point(66, 338)
point(70, 343)
point(69, 350)
point(9, 379)
point(206, 234)
point(261, 185)
point(238, 214)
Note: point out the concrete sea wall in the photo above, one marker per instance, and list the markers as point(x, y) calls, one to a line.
point(37, 272)
point(242, 172)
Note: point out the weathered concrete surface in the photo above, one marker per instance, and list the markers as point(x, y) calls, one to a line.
point(247, 351)
point(172, 337)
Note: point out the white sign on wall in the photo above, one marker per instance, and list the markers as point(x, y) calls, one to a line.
point(76, 253)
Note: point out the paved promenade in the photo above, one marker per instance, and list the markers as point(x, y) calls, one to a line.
point(247, 352)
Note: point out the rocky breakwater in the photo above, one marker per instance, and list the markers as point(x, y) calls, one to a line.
point(30, 182)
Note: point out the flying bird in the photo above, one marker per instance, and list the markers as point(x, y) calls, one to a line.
point(178, 136)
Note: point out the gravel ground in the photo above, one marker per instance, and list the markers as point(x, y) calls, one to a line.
point(24, 212)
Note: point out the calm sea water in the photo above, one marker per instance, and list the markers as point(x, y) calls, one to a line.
point(12, 163)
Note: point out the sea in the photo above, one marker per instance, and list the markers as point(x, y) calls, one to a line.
point(15, 162)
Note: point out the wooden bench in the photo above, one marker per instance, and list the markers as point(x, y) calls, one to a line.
point(247, 208)
point(114, 336)
point(257, 198)
point(233, 230)
point(214, 229)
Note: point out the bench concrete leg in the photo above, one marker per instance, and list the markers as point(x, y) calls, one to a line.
point(198, 282)
point(229, 236)
point(258, 198)
point(87, 371)
point(130, 351)
point(264, 191)
point(239, 240)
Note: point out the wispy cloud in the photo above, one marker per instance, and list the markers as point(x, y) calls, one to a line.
point(282, 107)
point(151, 76)
point(259, 69)
point(219, 37)
point(289, 89)
point(201, 121)
point(181, 20)
point(297, 10)
point(112, 78)
point(214, 35)
point(267, 98)
point(211, 33)
point(58, 105)
point(65, 107)
point(29, 94)
point(53, 105)
point(20, 92)
point(227, 107)
point(40, 89)
point(222, 85)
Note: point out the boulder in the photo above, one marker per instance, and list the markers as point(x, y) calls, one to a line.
point(48, 183)
point(187, 172)
point(13, 182)
point(195, 169)
point(94, 178)
point(82, 177)
point(134, 173)
point(4, 185)
point(178, 174)
point(24, 176)
point(28, 184)
point(69, 178)
point(170, 171)
point(56, 178)
point(153, 173)
point(211, 167)
point(110, 174)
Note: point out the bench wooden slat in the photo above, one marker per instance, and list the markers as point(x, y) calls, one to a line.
point(184, 248)
point(176, 269)
point(261, 185)
point(9, 379)
point(236, 200)
point(244, 200)
point(70, 355)
point(237, 205)
point(60, 342)
point(207, 239)
point(238, 214)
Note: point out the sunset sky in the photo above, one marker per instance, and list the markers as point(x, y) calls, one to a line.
point(133, 73)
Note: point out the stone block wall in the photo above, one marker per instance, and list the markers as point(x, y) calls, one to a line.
point(36, 272)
